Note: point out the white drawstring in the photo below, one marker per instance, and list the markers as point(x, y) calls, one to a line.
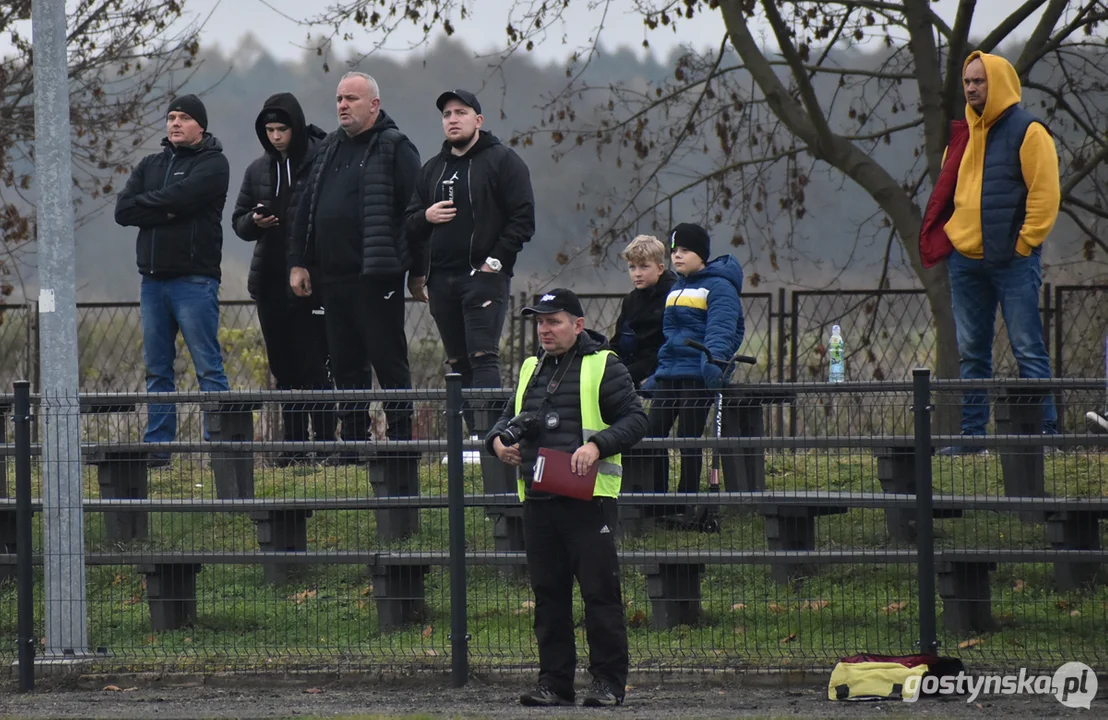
point(288, 174)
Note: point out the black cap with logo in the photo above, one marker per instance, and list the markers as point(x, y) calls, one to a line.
point(554, 301)
point(464, 96)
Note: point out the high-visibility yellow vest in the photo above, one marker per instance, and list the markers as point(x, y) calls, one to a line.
point(609, 475)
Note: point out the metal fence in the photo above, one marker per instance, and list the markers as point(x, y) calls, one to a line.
point(888, 333)
point(849, 538)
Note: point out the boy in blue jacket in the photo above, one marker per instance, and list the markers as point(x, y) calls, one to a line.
point(703, 306)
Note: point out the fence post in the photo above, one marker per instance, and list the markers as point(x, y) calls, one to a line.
point(459, 635)
point(925, 536)
point(781, 345)
point(23, 537)
point(794, 333)
point(1059, 356)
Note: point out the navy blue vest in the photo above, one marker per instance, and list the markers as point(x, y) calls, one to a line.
point(1003, 190)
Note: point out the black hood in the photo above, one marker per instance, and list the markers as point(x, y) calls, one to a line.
point(485, 140)
point(287, 105)
point(590, 342)
point(208, 143)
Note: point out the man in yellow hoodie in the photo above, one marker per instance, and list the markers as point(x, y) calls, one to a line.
point(1005, 204)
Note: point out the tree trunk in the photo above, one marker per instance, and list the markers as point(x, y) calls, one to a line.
point(947, 418)
point(870, 175)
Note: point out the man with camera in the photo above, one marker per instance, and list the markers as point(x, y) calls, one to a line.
point(575, 397)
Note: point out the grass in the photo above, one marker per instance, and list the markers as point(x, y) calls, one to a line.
point(747, 620)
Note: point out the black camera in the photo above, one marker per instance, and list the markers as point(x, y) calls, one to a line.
point(522, 427)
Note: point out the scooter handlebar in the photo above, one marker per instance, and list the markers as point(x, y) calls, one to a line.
point(736, 358)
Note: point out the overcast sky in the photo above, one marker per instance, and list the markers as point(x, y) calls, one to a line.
point(273, 22)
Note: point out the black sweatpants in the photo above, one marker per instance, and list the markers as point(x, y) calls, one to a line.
point(365, 335)
point(568, 538)
point(295, 335)
point(469, 311)
point(685, 402)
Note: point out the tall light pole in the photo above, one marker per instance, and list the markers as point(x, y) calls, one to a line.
point(66, 611)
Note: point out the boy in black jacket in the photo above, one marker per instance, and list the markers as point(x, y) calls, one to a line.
point(638, 331)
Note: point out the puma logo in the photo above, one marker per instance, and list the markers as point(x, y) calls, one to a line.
point(178, 173)
point(391, 293)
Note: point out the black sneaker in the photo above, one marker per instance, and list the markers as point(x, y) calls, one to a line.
point(543, 696)
point(601, 694)
point(1097, 422)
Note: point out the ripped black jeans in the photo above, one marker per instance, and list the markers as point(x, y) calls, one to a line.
point(469, 310)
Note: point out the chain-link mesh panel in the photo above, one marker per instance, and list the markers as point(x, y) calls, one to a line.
point(887, 334)
point(1083, 331)
point(602, 312)
point(17, 345)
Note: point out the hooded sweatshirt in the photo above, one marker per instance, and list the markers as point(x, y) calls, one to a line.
point(704, 307)
point(272, 179)
point(496, 214)
point(1034, 208)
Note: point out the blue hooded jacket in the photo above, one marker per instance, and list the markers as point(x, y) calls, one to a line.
point(704, 307)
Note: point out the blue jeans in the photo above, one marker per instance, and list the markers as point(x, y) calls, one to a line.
point(189, 304)
point(975, 290)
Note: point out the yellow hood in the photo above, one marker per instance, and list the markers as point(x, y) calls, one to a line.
point(1038, 162)
point(1003, 90)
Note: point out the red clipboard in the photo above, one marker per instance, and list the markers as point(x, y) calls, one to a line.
point(554, 475)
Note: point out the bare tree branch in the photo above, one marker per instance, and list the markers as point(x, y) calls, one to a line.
point(807, 92)
point(1083, 227)
point(1089, 167)
point(955, 56)
point(1008, 25)
point(1100, 212)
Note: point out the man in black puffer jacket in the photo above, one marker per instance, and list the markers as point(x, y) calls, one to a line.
point(348, 243)
point(175, 198)
point(582, 401)
point(294, 329)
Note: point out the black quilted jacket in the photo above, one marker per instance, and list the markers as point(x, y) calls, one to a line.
point(389, 169)
point(274, 180)
point(620, 407)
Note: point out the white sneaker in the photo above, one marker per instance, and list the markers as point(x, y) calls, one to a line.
point(1097, 422)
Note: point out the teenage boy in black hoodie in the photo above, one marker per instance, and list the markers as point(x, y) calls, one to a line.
point(293, 328)
point(638, 332)
point(471, 213)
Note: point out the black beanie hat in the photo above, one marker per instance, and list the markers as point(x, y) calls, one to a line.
point(276, 115)
point(691, 237)
point(191, 105)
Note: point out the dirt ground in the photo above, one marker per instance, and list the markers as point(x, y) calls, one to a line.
point(261, 697)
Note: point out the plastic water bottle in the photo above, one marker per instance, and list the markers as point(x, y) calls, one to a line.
point(835, 352)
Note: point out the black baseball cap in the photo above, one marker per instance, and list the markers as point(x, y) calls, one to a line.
point(554, 301)
point(464, 96)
